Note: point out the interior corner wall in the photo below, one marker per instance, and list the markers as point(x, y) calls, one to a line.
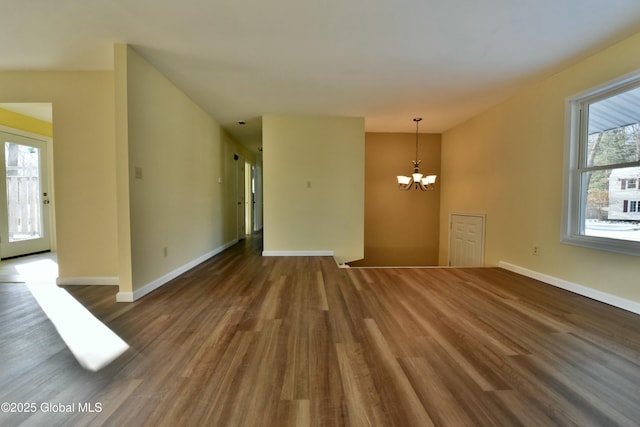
point(84, 164)
point(508, 163)
point(123, 211)
point(175, 159)
point(313, 185)
point(401, 228)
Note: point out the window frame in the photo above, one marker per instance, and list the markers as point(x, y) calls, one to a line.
point(576, 142)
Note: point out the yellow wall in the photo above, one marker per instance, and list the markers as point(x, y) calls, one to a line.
point(84, 163)
point(26, 123)
point(178, 203)
point(508, 163)
point(401, 227)
point(313, 169)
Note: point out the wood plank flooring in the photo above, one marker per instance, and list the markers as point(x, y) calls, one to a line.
point(245, 340)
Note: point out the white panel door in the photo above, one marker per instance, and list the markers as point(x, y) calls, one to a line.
point(248, 198)
point(24, 197)
point(240, 213)
point(466, 240)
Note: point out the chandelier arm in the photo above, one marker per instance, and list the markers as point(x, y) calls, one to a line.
point(427, 187)
point(405, 186)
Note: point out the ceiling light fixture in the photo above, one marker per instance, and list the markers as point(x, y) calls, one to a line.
point(416, 179)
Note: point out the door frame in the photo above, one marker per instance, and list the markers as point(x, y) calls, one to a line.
point(248, 198)
point(241, 226)
point(51, 184)
point(257, 202)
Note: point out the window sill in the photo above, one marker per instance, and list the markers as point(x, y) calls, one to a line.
point(604, 244)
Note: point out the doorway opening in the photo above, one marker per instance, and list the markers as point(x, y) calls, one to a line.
point(26, 178)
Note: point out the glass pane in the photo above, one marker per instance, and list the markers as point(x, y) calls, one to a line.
point(612, 203)
point(614, 130)
point(23, 191)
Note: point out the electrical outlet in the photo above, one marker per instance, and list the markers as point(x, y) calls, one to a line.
point(165, 251)
point(536, 250)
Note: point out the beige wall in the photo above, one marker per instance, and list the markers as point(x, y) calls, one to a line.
point(401, 228)
point(508, 163)
point(178, 203)
point(313, 169)
point(84, 164)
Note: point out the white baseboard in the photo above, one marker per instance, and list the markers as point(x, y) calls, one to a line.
point(152, 286)
point(595, 294)
point(124, 297)
point(297, 253)
point(87, 280)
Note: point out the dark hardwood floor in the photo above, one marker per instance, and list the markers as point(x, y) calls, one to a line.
point(245, 340)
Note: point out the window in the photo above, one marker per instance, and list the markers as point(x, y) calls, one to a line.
point(602, 168)
point(631, 206)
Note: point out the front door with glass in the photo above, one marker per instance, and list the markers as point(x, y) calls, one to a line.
point(24, 197)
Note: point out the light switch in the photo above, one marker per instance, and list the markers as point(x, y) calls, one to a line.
point(138, 172)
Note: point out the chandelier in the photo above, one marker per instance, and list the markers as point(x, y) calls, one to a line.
point(416, 180)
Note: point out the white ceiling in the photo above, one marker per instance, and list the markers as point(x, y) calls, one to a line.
point(387, 61)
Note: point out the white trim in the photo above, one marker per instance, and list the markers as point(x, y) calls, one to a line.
point(598, 90)
point(87, 280)
point(396, 267)
point(124, 297)
point(297, 253)
point(614, 300)
point(152, 286)
point(27, 134)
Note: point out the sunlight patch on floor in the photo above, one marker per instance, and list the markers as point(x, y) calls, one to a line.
point(92, 343)
point(42, 270)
